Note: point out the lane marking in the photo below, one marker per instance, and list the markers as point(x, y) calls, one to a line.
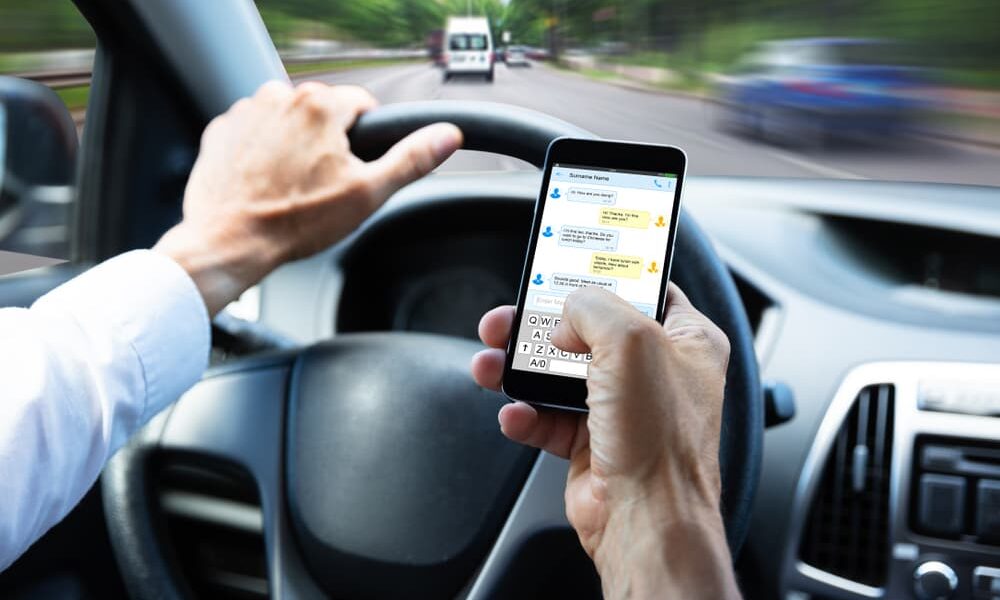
point(814, 167)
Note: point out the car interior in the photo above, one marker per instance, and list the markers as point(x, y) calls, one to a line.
point(861, 447)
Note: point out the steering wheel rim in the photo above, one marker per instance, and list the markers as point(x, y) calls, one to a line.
point(523, 134)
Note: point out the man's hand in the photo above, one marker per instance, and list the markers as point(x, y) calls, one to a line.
point(275, 180)
point(644, 485)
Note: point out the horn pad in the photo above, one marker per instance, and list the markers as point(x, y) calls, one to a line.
point(398, 477)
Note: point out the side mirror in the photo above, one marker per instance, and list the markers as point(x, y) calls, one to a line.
point(38, 148)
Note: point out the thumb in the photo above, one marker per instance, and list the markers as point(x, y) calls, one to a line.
point(680, 312)
point(594, 319)
point(412, 157)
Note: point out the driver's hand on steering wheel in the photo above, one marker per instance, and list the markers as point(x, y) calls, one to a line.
point(643, 490)
point(275, 180)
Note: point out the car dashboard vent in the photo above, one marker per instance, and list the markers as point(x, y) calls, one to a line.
point(213, 524)
point(847, 529)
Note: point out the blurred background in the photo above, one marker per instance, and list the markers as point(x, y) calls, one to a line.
point(883, 89)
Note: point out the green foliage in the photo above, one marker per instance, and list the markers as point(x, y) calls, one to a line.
point(27, 25)
point(957, 36)
point(340, 65)
point(386, 23)
point(75, 97)
point(707, 34)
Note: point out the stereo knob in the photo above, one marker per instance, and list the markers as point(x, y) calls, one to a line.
point(934, 580)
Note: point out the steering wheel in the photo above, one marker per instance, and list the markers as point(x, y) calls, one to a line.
point(377, 460)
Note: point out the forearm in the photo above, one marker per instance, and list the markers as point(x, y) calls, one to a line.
point(82, 369)
point(647, 553)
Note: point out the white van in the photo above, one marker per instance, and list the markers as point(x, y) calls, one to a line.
point(468, 47)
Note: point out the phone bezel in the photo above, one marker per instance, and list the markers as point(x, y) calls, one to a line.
point(558, 391)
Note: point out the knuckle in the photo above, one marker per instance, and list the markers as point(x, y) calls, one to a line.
point(240, 105)
point(642, 332)
point(310, 87)
point(419, 161)
point(272, 89)
point(362, 188)
point(212, 129)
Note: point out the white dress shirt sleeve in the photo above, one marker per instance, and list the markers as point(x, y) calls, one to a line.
point(80, 371)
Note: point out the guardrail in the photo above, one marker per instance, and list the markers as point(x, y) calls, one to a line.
point(58, 79)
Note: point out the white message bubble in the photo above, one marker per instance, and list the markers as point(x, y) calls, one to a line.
point(588, 238)
point(564, 281)
point(592, 196)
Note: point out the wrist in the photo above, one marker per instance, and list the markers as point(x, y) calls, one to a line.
point(665, 545)
point(221, 269)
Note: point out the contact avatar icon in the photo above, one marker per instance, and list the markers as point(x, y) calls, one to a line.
point(555, 194)
point(548, 232)
point(538, 279)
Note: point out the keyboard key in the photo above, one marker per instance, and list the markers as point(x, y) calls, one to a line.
point(551, 351)
point(545, 321)
point(537, 335)
point(537, 363)
point(540, 349)
point(568, 368)
point(533, 320)
point(524, 348)
point(548, 335)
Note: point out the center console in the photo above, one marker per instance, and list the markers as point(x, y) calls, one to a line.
point(899, 496)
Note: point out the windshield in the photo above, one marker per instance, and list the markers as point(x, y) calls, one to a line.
point(463, 41)
point(882, 90)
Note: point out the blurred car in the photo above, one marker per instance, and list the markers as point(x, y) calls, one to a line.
point(435, 47)
point(806, 91)
point(499, 55)
point(517, 56)
point(537, 53)
point(470, 48)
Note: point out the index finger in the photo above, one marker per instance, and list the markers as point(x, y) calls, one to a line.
point(345, 102)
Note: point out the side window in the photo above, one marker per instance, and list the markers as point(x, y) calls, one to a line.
point(46, 55)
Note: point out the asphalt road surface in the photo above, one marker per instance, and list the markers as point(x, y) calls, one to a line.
point(616, 112)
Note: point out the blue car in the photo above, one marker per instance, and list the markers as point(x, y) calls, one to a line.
point(804, 92)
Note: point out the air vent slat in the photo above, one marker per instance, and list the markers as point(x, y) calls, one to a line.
point(847, 529)
point(213, 522)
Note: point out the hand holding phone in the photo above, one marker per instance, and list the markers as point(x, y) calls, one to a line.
point(656, 400)
point(606, 216)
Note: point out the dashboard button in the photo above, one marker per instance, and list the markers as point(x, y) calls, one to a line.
point(942, 503)
point(986, 583)
point(934, 580)
point(988, 510)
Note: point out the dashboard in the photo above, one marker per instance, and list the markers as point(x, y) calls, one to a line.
point(877, 304)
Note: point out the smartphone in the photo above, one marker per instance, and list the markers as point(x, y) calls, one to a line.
point(606, 216)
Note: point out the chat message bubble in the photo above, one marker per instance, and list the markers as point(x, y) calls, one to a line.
point(624, 217)
point(592, 196)
point(616, 265)
point(563, 281)
point(589, 238)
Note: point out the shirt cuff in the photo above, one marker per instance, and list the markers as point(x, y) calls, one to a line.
point(152, 303)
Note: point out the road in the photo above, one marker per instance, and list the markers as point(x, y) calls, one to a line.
point(617, 112)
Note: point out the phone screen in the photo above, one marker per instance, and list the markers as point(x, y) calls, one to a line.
point(599, 227)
